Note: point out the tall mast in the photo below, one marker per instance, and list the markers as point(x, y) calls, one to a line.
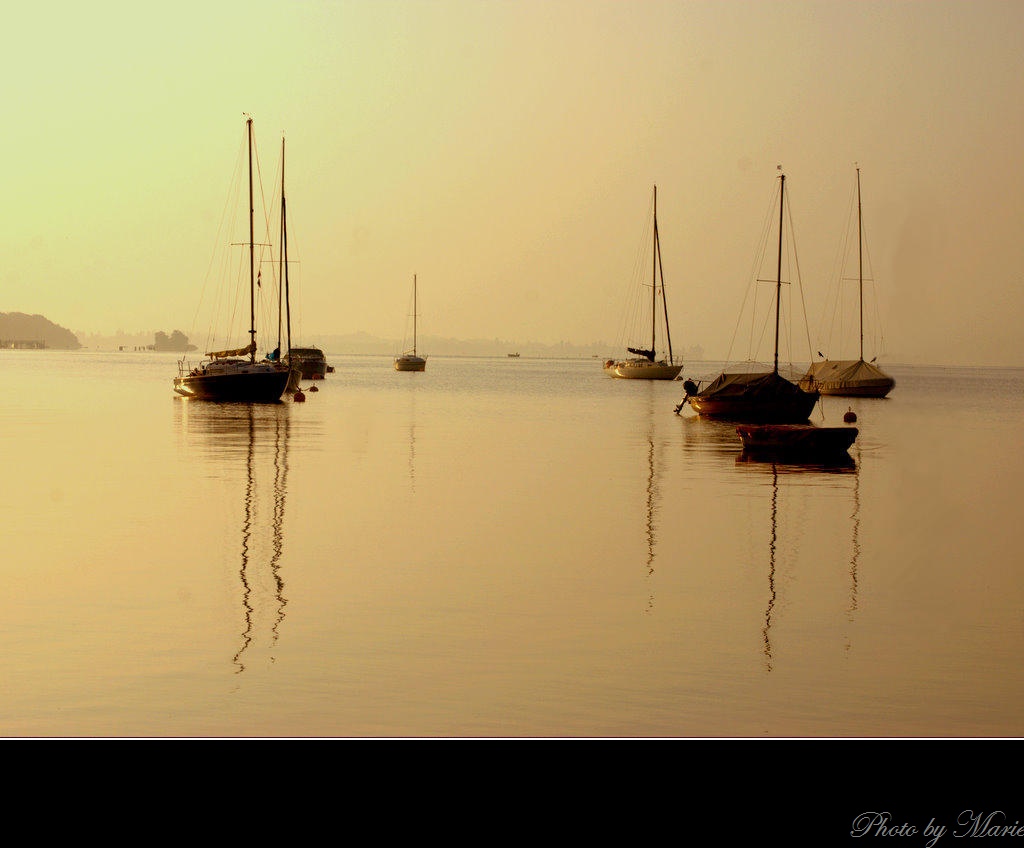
point(252, 257)
point(661, 274)
point(778, 276)
point(284, 259)
point(415, 309)
point(280, 258)
point(654, 278)
point(860, 266)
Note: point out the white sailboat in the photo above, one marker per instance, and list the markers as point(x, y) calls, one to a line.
point(645, 364)
point(411, 360)
point(851, 377)
point(235, 375)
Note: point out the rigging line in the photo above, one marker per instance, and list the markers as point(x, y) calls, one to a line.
point(228, 211)
point(800, 287)
point(837, 276)
point(632, 315)
point(870, 277)
point(759, 254)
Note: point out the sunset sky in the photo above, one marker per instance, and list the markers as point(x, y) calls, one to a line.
point(504, 152)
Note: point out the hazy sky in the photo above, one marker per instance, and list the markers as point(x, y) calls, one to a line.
point(505, 151)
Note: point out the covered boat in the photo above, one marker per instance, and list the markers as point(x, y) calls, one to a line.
point(756, 396)
point(766, 397)
point(848, 378)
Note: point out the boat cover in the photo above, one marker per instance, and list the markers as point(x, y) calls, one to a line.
point(763, 386)
point(849, 371)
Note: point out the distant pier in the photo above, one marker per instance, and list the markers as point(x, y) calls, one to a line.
point(22, 344)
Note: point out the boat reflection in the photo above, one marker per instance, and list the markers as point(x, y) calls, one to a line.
point(844, 464)
point(652, 493)
point(855, 551)
point(412, 443)
point(254, 439)
point(702, 436)
point(778, 470)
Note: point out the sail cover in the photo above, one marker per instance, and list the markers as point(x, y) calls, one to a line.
point(242, 351)
point(647, 354)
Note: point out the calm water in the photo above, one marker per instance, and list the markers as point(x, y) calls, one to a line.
point(500, 547)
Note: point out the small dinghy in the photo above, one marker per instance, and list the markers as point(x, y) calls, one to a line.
point(797, 440)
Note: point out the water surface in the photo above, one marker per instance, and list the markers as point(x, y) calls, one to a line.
point(500, 547)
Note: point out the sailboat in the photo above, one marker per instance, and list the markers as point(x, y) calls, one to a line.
point(764, 397)
point(851, 377)
point(645, 364)
point(410, 360)
point(235, 375)
point(306, 363)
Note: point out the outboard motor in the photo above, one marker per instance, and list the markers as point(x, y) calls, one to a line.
point(691, 389)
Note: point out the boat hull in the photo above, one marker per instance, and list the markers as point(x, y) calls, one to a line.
point(410, 363)
point(248, 384)
point(643, 369)
point(796, 440)
point(737, 409)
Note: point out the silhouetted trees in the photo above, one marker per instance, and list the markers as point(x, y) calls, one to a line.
point(177, 341)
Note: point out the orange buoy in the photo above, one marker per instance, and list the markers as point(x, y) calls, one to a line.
point(298, 397)
point(850, 416)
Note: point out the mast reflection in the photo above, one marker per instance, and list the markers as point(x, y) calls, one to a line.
point(855, 551)
point(766, 630)
point(263, 601)
point(412, 445)
point(228, 435)
point(845, 465)
point(652, 499)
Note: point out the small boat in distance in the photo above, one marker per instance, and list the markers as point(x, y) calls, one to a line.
point(764, 397)
point(851, 377)
point(513, 356)
point(235, 375)
point(411, 360)
point(645, 364)
point(804, 441)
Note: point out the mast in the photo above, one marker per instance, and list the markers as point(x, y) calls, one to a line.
point(252, 256)
point(280, 258)
point(778, 276)
point(661, 272)
point(414, 310)
point(860, 266)
point(654, 280)
point(284, 262)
